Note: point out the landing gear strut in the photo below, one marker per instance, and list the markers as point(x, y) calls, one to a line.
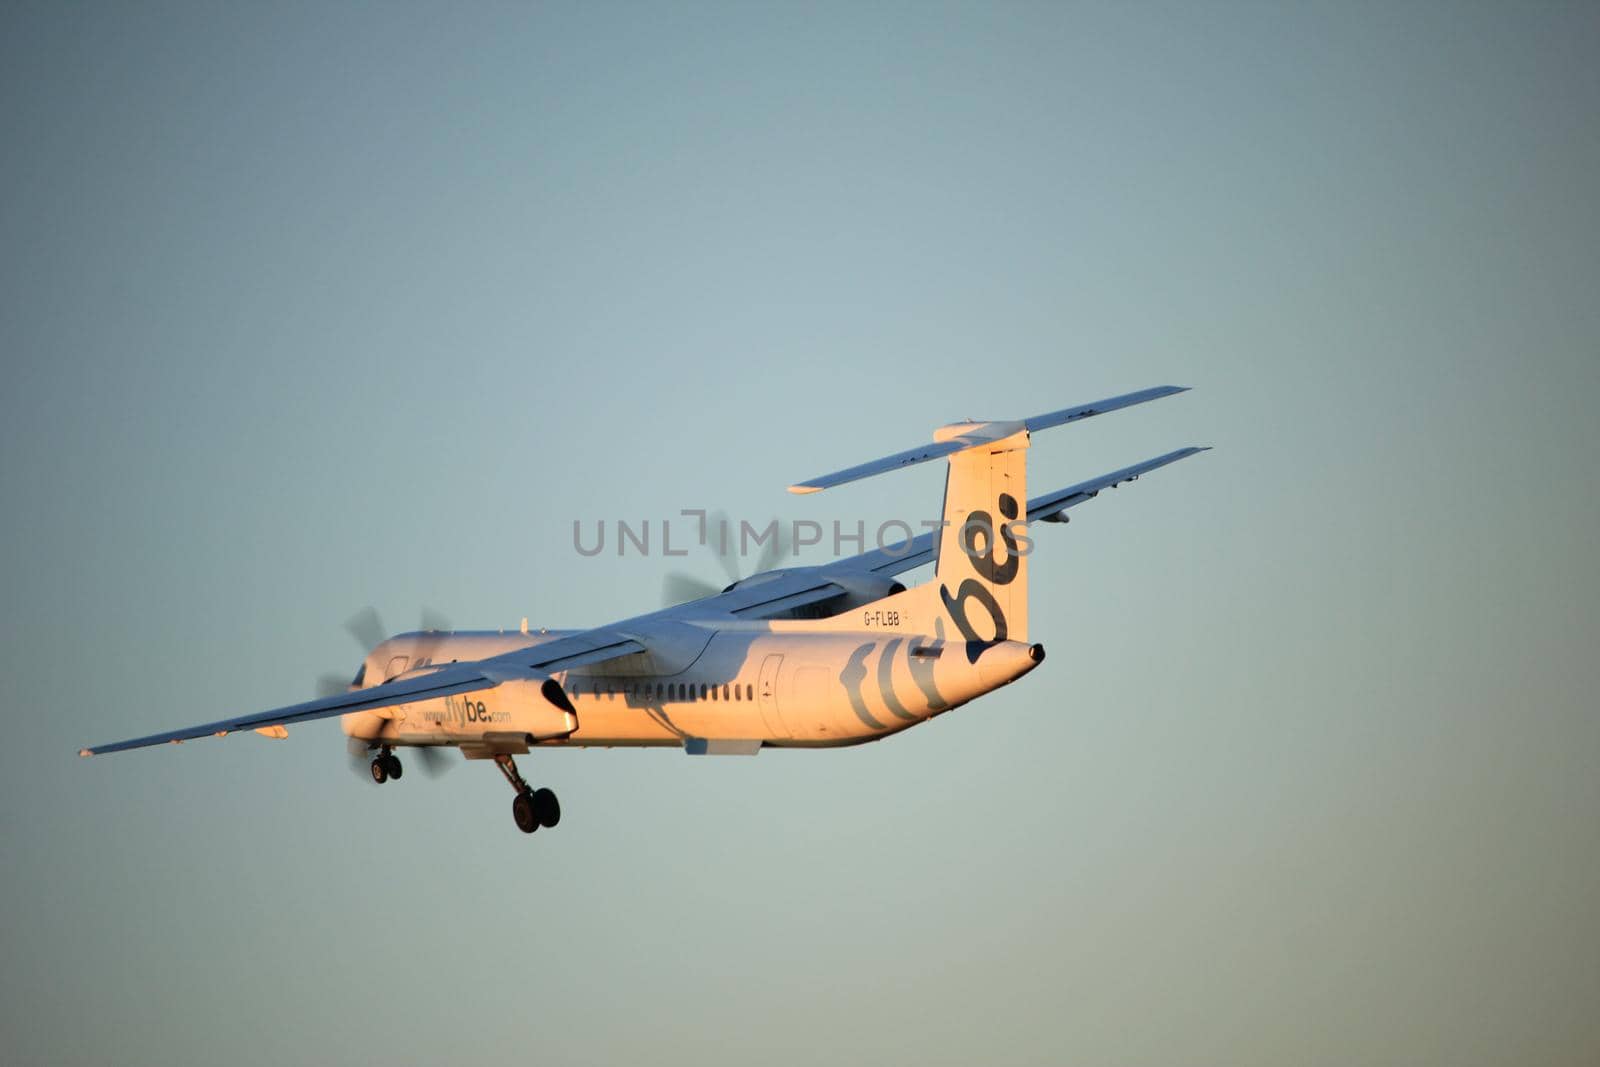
point(532, 807)
point(386, 765)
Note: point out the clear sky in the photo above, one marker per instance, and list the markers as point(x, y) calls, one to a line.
point(305, 307)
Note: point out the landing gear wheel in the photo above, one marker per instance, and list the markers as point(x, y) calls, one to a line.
point(394, 767)
point(546, 807)
point(522, 810)
point(380, 769)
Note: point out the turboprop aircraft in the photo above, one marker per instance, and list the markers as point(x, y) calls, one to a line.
point(793, 657)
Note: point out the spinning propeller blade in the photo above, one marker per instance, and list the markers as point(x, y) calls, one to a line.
point(724, 538)
point(367, 628)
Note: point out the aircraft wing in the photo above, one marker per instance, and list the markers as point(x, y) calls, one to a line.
point(1051, 507)
point(765, 597)
point(574, 650)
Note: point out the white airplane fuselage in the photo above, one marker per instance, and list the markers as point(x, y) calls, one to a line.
point(724, 689)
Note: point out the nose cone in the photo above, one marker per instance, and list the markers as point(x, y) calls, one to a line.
point(1006, 661)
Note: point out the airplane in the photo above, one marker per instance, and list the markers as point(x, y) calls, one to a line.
point(841, 653)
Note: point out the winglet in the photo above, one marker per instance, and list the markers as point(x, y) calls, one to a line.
point(85, 751)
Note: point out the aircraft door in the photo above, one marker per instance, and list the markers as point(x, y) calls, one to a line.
point(767, 695)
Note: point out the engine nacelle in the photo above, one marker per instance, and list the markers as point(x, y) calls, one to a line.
point(535, 707)
point(859, 591)
point(862, 589)
point(525, 707)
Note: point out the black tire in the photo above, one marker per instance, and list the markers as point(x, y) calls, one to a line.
point(395, 769)
point(380, 770)
point(522, 810)
point(547, 807)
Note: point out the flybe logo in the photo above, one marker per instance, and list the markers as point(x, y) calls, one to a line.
point(463, 711)
point(992, 573)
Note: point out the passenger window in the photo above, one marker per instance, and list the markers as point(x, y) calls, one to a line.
point(749, 692)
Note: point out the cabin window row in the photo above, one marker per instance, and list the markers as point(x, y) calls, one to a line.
point(675, 691)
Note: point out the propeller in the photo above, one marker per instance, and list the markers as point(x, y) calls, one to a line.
point(368, 630)
point(723, 538)
point(331, 685)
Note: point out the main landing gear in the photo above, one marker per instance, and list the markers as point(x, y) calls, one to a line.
point(386, 765)
point(532, 808)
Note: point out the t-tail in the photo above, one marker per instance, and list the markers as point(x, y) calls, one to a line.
point(979, 594)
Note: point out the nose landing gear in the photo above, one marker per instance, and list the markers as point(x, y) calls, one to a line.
point(532, 807)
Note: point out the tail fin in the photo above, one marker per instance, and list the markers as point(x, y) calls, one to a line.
point(980, 589)
point(981, 569)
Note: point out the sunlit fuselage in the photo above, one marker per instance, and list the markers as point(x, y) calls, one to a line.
point(728, 686)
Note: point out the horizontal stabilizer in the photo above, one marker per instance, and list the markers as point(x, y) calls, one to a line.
point(1126, 400)
point(957, 438)
point(1052, 506)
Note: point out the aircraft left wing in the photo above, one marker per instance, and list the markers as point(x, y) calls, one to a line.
point(574, 650)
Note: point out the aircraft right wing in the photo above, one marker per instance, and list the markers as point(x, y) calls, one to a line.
point(766, 595)
point(1051, 507)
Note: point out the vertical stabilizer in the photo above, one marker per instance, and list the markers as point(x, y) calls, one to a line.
point(981, 570)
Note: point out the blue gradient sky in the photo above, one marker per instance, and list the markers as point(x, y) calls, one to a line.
point(309, 307)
